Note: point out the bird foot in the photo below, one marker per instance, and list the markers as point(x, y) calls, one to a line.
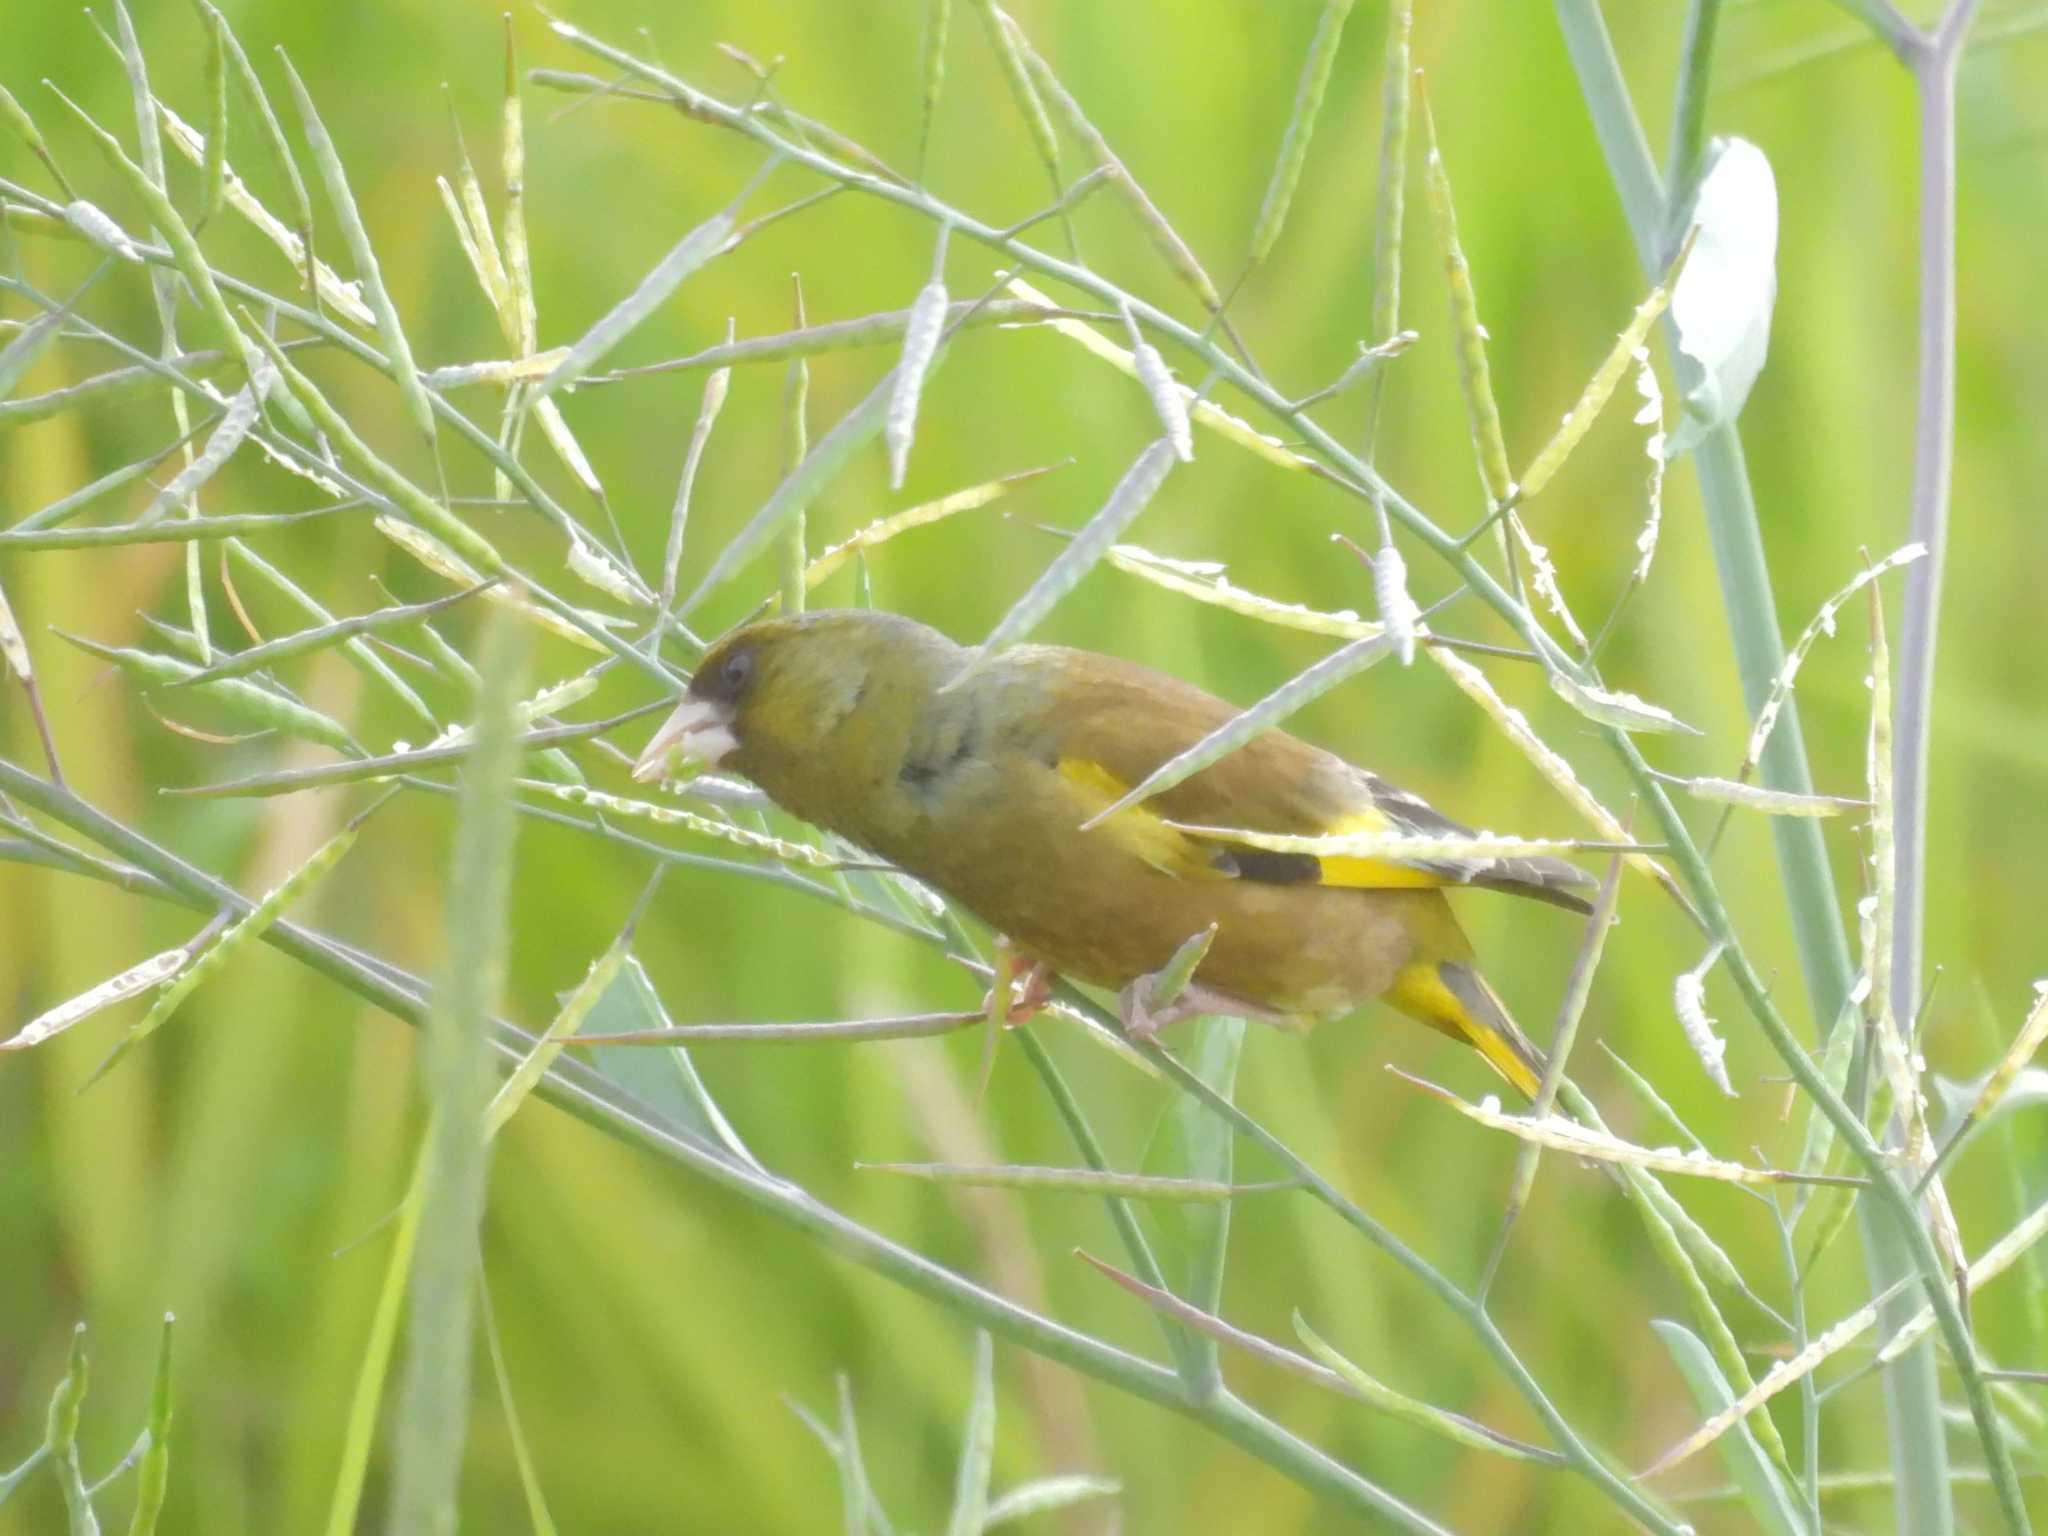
point(1029, 994)
point(1143, 1018)
point(1021, 990)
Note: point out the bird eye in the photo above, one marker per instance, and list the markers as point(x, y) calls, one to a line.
point(733, 675)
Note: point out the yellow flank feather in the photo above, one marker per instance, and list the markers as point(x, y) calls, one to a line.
point(1139, 829)
point(1422, 991)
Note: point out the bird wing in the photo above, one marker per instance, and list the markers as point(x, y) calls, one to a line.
point(1118, 722)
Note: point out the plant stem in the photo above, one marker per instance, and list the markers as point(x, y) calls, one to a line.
point(1468, 1310)
point(1689, 117)
point(1805, 859)
point(1896, 1242)
point(597, 1101)
point(1923, 1502)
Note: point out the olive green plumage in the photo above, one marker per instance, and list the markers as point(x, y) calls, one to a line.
point(846, 719)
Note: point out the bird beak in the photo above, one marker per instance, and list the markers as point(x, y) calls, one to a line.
point(700, 730)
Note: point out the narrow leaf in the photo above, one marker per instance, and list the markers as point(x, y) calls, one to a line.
point(237, 937)
point(153, 1471)
point(360, 1435)
point(1192, 1142)
point(1467, 332)
point(1409, 1410)
point(138, 978)
point(235, 425)
point(709, 239)
point(1301, 127)
point(389, 329)
point(1204, 413)
point(1132, 494)
point(666, 1079)
point(1771, 802)
point(708, 407)
point(1765, 1494)
point(1047, 1495)
point(1297, 692)
point(346, 297)
point(883, 529)
point(1627, 348)
point(1563, 1135)
point(1078, 1181)
point(920, 345)
point(798, 488)
point(433, 1410)
point(977, 1446)
point(1169, 401)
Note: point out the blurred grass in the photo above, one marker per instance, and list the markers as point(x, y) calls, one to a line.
point(650, 1336)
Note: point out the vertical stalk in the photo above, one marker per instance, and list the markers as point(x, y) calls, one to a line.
point(1689, 116)
point(1737, 541)
point(1918, 1444)
point(1933, 451)
point(1912, 1391)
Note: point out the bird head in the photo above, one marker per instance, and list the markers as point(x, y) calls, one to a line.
point(766, 696)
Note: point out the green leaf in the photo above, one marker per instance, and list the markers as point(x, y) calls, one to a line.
point(800, 487)
point(977, 1445)
point(434, 1405)
point(667, 1078)
point(1131, 495)
point(1409, 1410)
point(334, 176)
point(1763, 1492)
point(153, 1473)
point(1194, 1143)
point(359, 1438)
point(1045, 1494)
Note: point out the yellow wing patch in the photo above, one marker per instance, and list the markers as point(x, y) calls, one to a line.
point(1177, 852)
point(1139, 829)
point(1373, 874)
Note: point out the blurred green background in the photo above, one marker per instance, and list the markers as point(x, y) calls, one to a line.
point(653, 1329)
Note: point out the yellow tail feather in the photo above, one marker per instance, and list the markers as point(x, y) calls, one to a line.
point(1452, 997)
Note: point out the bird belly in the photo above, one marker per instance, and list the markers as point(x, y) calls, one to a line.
point(1302, 952)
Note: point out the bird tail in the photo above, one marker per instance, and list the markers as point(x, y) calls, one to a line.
point(1451, 996)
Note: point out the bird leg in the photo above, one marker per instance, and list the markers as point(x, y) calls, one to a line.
point(1144, 1016)
point(1171, 993)
point(1031, 991)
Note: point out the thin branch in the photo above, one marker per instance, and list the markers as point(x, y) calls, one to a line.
point(595, 1099)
